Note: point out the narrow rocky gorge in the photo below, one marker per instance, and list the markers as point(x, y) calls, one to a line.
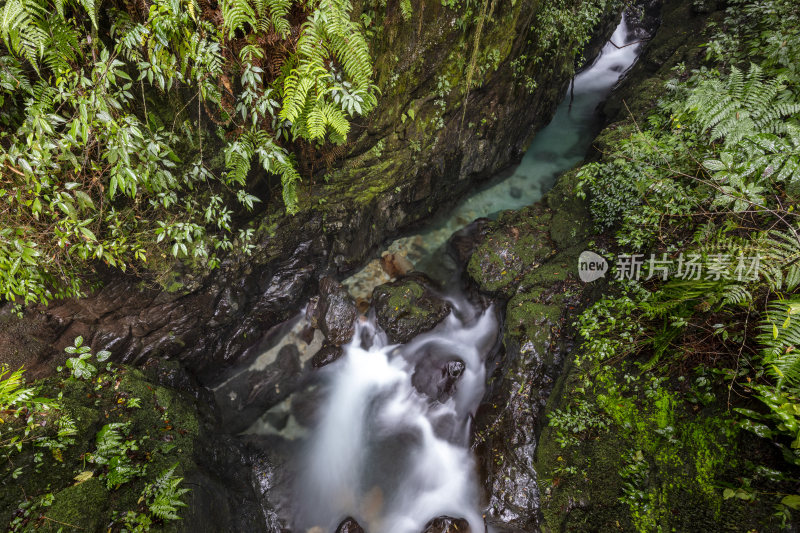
point(248, 352)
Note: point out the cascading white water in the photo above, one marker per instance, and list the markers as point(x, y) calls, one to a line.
point(386, 439)
point(385, 453)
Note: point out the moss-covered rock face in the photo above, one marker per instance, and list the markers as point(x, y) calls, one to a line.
point(427, 144)
point(407, 307)
point(64, 481)
point(526, 259)
point(620, 449)
point(627, 451)
point(519, 244)
point(77, 479)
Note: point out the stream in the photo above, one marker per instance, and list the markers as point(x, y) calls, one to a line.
point(382, 434)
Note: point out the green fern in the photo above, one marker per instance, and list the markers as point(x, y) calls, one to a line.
point(780, 259)
point(109, 440)
point(272, 158)
point(13, 393)
point(780, 336)
point(164, 496)
point(236, 15)
point(741, 105)
point(257, 15)
point(328, 36)
point(31, 30)
point(405, 9)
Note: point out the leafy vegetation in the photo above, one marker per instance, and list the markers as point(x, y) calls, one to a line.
point(112, 119)
point(700, 348)
point(105, 437)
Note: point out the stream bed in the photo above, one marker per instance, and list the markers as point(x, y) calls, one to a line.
point(382, 433)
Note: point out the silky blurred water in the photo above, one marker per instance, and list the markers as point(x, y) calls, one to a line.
point(386, 454)
point(557, 148)
point(383, 452)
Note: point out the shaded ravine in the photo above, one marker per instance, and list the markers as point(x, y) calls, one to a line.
point(391, 175)
point(377, 444)
point(561, 145)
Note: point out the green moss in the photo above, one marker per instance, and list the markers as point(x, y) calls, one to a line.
point(79, 507)
point(405, 295)
point(164, 427)
point(657, 467)
point(517, 243)
point(527, 317)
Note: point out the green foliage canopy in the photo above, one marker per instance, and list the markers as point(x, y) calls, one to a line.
point(112, 117)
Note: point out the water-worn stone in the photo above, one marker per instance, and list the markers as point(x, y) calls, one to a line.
point(326, 355)
point(407, 307)
point(334, 312)
point(349, 525)
point(396, 265)
point(447, 524)
point(437, 378)
point(248, 395)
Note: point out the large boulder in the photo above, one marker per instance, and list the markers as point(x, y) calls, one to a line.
point(334, 312)
point(408, 307)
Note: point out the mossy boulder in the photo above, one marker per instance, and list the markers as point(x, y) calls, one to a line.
point(82, 506)
point(409, 306)
point(516, 243)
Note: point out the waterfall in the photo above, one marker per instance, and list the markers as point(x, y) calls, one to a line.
point(387, 453)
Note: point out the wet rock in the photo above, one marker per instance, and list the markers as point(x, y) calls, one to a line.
point(363, 305)
point(408, 307)
point(527, 262)
point(230, 492)
point(437, 379)
point(244, 398)
point(515, 192)
point(305, 405)
point(396, 265)
point(517, 243)
point(349, 525)
point(334, 312)
point(447, 524)
point(326, 355)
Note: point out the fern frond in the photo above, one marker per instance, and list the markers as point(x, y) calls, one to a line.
point(236, 14)
point(780, 336)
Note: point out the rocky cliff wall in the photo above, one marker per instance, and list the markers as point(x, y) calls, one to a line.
point(426, 145)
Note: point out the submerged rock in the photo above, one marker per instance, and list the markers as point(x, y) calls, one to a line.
point(349, 525)
point(437, 378)
point(326, 355)
point(408, 307)
point(463, 242)
point(396, 265)
point(447, 524)
point(334, 312)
